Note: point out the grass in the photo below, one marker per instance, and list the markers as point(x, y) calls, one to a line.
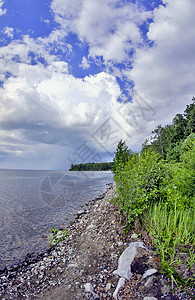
point(170, 229)
point(57, 236)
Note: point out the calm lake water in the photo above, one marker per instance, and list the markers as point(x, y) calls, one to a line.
point(33, 202)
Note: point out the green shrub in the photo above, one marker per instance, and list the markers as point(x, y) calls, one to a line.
point(138, 184)
point(179, 182)
point(57, 236)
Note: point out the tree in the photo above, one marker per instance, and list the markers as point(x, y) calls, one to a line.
point(122, 155)
point(166, 140)
point(160, 142)
point(189, 113)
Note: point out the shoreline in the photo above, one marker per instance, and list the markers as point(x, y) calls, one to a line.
point(37, 244)
point(10, 273)
point(81, 266)
point(35, 256)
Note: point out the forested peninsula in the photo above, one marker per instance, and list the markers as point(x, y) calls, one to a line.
point(103, 166)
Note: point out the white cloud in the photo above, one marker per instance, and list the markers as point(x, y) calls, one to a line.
point(164, 74)
point(85, 63)
point(2, 11)
point(8, 31)
point(111, 30)
point(46, 21)
point(45, 105)
point(44, 110)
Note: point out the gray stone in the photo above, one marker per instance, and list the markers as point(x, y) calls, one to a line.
point(125, 260)
point(72, 266)
point(112, 248)
point(120, 244)
point(150, 298)
point(165, 289)
point(80, 212)
point(108, 286)
point(149, 281)
point(149, 273)
point(54, 253)
point(89, 288)
point(121, 282)
point(92, 226)
point(134, 236)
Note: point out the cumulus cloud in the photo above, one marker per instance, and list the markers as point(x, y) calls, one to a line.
point(164, 74)
point(47, 114)
point(110, 29)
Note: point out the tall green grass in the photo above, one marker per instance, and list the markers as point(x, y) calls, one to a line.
point(170, 229)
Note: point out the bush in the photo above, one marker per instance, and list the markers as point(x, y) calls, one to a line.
point(179, 182)
point(138, 184)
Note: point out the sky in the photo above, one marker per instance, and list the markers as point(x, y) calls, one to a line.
point(76, 76)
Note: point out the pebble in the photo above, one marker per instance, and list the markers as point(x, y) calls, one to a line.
point(108, 286)
point(149, 281)
point(88, 287)
point(52, 269)
point(120, 244)
point(134, 236)
point(149, 273)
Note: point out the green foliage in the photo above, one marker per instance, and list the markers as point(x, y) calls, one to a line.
point(147, 179)
point(138, 184)
point(57, 236)
point(166, 139)
point(189, 114)
point(157, 186)
point(169, 229)
point(122, 155)
point(179, 182)
point(103, 166)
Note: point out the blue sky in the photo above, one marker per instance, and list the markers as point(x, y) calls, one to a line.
point(76, 76)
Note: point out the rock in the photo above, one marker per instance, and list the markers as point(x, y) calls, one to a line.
point(124, 264)
point(59, 235)
point(112, 248)
point(125, 260)
point(149, 273)
point(150, 298)
point(89, 288)
point(108, 286)
point(120, 244)
point(134, 236)
point(42, 266)
point(80, 212)
point(91, 227)
point(72, 266)
point(54, 253)
point(121, 282)
point(149, 281)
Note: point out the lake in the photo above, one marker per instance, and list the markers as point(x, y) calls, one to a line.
point(33, 202)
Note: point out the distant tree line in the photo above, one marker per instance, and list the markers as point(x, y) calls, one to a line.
point(103, 166)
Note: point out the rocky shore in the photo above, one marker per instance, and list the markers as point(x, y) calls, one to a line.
point(82, 266)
